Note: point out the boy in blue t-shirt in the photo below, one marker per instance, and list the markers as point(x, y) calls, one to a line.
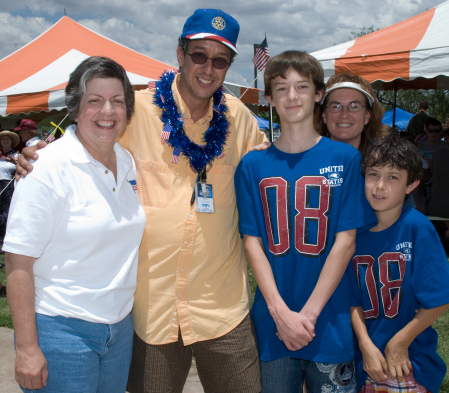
point(300, 202)
point(399, 277)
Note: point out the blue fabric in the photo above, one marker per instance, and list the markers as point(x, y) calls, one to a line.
point(287, 375)
point(425, 276)
point(401, 120)
point(295, 260)
point(85, 356)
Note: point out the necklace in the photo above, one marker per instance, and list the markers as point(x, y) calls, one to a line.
point(173, 133)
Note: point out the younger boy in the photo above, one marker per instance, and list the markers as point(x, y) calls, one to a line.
point(300, 202)
point(400, 279)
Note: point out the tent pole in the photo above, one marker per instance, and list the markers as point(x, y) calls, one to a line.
point(394, 104)
point(270, 122)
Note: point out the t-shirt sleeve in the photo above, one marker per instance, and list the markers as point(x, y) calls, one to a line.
point(355, 212)
point(245, 192)
point(430, 276)
point(34, 213)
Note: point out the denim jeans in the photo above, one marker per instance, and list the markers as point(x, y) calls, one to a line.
point(287, 375)
point(85, 357)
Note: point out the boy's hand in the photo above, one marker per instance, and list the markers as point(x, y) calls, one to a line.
point(295, 330)
point(262, 146)
point(28, 153)
point(373, 362)
point(396, 356)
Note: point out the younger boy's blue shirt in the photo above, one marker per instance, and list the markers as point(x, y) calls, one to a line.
point(297, 203)
point(393, 274)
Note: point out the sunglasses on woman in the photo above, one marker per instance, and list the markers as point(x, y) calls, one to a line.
point(200, 58)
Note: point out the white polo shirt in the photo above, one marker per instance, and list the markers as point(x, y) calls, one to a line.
point(33, 141)
point(83, 227)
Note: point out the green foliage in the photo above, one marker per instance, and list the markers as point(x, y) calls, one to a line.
point(361, 32)
point(442, 327)
point(5, 316)
point(266, 116)
point(409, 100)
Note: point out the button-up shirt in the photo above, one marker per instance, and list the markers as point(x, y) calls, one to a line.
point(192, 272)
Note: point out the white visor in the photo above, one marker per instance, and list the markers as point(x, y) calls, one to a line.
point(348, 85)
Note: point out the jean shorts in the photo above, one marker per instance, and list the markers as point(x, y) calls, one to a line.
point(84, 356)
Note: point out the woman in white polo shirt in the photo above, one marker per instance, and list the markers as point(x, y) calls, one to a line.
point(72, 241)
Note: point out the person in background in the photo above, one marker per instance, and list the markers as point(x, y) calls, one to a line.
point(433, 143)
point(415, 125)
point(8, 159)
point(350, 112)
point(73, 236)
point(28, 131)
point(44, 135)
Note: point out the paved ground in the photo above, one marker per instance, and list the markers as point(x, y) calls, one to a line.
point(7, 357)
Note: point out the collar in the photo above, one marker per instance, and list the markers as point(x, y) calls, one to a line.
point(182, 107)
point(77, 153)
point(30, 141)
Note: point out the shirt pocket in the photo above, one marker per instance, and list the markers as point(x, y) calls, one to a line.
point(154, 182)
point(222, 179)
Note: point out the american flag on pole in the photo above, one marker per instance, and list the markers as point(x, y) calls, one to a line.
point(262, 56)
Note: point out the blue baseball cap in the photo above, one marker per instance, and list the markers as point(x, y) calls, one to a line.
point(212, 25)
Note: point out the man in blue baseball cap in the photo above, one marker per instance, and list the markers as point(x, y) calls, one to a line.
point(192, 290)
point(192, 295)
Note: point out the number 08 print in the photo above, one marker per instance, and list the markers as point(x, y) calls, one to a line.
point(313, 202)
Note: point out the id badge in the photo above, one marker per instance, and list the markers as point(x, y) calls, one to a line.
point(204, 198)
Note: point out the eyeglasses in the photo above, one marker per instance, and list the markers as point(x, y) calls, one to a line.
point(336, 107)
point(432, 130)
point(200, 58)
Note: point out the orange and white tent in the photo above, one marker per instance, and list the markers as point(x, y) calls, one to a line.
point(33, 78)
point(412, 54)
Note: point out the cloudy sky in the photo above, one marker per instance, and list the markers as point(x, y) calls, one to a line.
point(153, 26)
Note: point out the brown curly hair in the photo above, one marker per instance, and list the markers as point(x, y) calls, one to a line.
point(374, 129)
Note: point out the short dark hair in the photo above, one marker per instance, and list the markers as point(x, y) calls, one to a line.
point(424, 104)
point(296, 60)
point(431, 121)
point(396, 152)
point(184, 42)
point(96, 67)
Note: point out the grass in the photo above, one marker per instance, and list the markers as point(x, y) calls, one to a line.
point(5, 316)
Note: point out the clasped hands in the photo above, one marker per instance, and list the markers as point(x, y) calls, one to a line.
point(395, 364)
point(294, 329)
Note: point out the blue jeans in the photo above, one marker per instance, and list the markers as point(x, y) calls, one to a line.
point(85, 357)
point(287, 375)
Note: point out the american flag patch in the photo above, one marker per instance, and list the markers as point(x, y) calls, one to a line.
point(133, 184)
point(152, 84)
point(221, 155)
point(166, 133)
point(216, 109)
point(175, 156)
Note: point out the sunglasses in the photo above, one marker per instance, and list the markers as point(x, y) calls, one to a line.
point(432, 130)
point(200, 58)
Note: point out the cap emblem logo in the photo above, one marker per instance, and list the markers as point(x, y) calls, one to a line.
point(218, 23)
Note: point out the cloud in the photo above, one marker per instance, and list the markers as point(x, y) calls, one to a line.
point(16, 31)
point(152, 27)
